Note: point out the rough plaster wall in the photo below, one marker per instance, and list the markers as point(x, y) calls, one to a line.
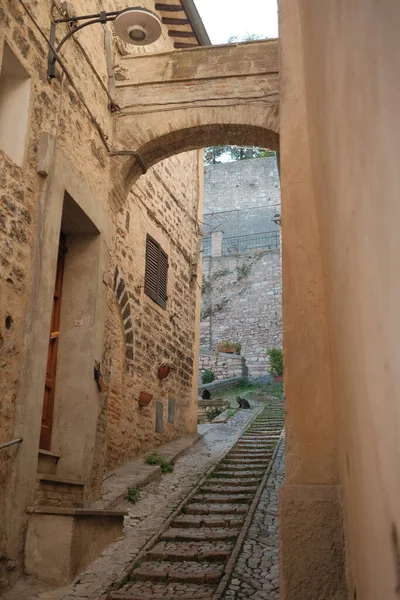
point(245, 309)
point(352, 79)
point(56, 109)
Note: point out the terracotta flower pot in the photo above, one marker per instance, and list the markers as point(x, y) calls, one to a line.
point(145, 398)
point(163, 371)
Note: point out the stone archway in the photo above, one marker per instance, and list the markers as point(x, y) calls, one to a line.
point(188, 99)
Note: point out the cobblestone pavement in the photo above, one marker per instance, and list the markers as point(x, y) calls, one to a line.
point(256, 573)
point(157, 502)
point(193, 556)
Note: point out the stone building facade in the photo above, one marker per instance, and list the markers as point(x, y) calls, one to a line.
point(242, 273)
point(72, 276)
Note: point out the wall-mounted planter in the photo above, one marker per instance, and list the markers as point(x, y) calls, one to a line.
point(145, 398)
point(163, 371)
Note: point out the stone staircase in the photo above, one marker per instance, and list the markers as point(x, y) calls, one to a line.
point(191, 557)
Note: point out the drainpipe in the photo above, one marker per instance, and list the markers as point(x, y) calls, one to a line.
point(196, 22)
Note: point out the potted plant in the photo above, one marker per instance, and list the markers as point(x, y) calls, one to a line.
point(229, 347)
point(276, 363)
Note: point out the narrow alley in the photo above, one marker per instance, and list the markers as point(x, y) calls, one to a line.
point(206, 530)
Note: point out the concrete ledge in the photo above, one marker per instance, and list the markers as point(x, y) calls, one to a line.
point(136, 473)
point(61, 543)
point(222, 383)
point(312, 562)
point(76, 512)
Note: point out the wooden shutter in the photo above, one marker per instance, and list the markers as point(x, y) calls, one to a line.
point(156, 274)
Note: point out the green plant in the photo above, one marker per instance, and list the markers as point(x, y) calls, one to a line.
point(133, 495)
point(276, 361)
point(229, 346)
point(213, 413)
point(243, 271)
point(156, 459)
point(208, 376)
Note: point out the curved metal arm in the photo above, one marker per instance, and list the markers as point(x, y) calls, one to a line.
point(71, 33)
point(102, 18)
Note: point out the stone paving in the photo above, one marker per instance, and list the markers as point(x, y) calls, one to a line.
point(204, 533)
point(210, 514)
point(158, 501)
point(256, 573)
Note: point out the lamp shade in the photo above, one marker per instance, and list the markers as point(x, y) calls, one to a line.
point(138, 26)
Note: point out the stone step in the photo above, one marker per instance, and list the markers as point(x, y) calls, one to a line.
point(185, 571)
point(202, 534)
point(225, 489)
point(243, 455)
point(216, 551)
point(261, 455)
point(244, 463)
point(236, 471)
point(159, 591)
point(219, 481)
point(216, 509)
point(227, 520)
point(222, 498)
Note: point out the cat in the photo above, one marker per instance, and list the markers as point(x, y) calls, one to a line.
point(243, 403)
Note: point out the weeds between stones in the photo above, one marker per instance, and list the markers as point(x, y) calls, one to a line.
point(156, 459)
point(133, 495)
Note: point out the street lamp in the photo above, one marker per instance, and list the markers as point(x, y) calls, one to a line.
point(135, 25)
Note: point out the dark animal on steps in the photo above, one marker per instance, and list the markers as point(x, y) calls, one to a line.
point(206, 395)
point(243, 403)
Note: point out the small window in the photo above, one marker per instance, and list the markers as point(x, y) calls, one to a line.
point(14, 106)
point(156, 275)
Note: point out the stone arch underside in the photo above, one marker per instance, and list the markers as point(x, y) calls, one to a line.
point(184, 100)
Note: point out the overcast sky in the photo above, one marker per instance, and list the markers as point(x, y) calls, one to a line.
point(223, 18)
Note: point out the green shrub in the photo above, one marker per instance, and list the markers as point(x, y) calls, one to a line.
point(133, 495)
point(276, 361)
point(156, 459)
point(208, 376)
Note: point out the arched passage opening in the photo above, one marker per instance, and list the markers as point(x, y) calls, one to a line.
point(131, 167)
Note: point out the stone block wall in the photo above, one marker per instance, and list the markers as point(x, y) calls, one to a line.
point(224, 366)
point(242, 289)
point(132, 335)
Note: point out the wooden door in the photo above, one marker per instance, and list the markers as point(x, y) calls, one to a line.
point(49, 390)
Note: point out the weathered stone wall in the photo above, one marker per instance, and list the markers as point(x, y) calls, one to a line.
point(244, 305)
point(164, 203)
point(242, 288)
point(222, 365)
point(241, 184)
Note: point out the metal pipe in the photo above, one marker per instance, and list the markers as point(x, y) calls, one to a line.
point(96, 16)
point(7, 444)
point(196, 22)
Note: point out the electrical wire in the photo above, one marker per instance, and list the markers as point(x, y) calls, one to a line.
point(103, 136)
